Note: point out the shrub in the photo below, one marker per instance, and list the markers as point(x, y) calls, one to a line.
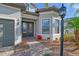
point(47, 54)
point(48, 38)
point(69, 37)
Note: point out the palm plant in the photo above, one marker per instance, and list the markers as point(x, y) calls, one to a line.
point(74, 24)
point(77, 9)
point(46, 5)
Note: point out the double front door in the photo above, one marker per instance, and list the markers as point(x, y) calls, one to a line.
point(27, 29)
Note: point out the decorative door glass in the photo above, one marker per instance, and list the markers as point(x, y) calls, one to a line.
point(1, 34)
point(24, 27)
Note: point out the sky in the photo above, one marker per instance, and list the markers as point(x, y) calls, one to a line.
point(70, 10)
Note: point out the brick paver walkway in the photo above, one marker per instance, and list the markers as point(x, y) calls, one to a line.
point(36, 49)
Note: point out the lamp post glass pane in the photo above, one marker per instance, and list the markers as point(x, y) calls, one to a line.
point(62, 11)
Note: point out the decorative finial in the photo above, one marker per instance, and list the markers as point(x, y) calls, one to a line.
point(62, 4)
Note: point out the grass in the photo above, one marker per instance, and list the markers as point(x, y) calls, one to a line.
point(47, 54)
point(69, 37)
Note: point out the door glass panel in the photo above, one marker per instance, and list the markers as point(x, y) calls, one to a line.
point(24, 27)
point(1, 34)
point(1, 30)
point(30, 28)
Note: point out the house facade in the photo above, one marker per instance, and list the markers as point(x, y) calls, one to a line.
point(19, 21)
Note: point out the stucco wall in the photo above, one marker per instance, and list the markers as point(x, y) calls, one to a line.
point(47, 15)
point(12, 13)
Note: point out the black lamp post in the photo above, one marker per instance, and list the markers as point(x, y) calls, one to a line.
point(62, 13)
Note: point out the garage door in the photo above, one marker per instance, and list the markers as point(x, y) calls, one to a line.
point(6, 32)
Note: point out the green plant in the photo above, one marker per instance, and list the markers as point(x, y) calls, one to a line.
point(47, 54)
point(74, 24)
point(77, 9)
point(48, 38)
point(46, 5)
point(42, 42)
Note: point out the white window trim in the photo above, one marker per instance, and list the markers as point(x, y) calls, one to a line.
point(59, 24)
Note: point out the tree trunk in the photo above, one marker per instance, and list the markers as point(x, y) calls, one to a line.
point(76, 35)
point(77, 38)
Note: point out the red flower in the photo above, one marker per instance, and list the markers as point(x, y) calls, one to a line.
point(39, 37)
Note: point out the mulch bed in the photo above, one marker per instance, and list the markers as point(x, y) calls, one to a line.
point(70, 49)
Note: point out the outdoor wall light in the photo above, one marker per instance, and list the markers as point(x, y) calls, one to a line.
point(62, 13)
point(18, 22)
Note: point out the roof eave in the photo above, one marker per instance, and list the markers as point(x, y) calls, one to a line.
point(47, 9)
point(30, 13)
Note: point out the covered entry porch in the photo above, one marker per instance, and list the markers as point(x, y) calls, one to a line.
point(29, 21)
point(28, 28)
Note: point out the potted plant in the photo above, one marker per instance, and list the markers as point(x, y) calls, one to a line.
point(39, 38)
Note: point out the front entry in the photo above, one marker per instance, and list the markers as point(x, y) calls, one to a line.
point(27, 29)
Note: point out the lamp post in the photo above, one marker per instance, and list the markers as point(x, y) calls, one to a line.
point(62, 13)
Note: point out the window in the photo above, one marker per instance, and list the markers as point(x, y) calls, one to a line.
point(56, 25)
point(30, 7)
point(46, 26)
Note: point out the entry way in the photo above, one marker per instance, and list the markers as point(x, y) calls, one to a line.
point(6, 32)
point(27, 29)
